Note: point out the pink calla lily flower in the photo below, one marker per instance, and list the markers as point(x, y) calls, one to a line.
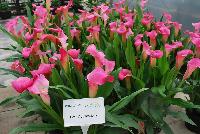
point(165, 31)
point(122, 30)
point(44, 69)
point(196, 26)
point(94, 32)
point(173, 46)
point(17, 66)
point(177, 27)
point(157, 54)
point(61, 36)
point(73, 53)
point(147, 19)
point(99, 56)
point(113, 26)
point(55, 57)
point(26, 52)
point(192, 65)
point(75, 33)
point(138, 44)
point(21, 84)
point(146, 50)
point(196, 42)
point(124, 73)
point(181, 56)
point(143, 3)
point(109, 65)
point(40, 86)
point(96, 78)
point(64, 58)
point(168, 17)
point(113, 29)
point(79, 64)
point(152, 35)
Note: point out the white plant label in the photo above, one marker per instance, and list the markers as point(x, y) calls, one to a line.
point(83, 112)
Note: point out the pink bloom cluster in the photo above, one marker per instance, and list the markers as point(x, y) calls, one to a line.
point(45, 44)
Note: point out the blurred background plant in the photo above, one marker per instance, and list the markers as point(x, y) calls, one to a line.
point(5, 12)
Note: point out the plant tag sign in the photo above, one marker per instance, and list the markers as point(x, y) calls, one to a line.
point(83, 112)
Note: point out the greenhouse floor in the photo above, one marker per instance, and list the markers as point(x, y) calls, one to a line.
point(9, 116)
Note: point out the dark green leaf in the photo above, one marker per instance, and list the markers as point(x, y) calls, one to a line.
point(105, 90)
point(8, 100)
point(130, 56)
point(182, 116)
point(159, 90)
point(182, 103)
point(56, 77)
point(124, 101)
point(30, 16)
point(2, 86)
point(43, 127)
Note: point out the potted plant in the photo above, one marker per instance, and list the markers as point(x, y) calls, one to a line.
point(122, 55)
point(5, 12)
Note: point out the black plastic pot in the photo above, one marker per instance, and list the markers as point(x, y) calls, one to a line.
point(5, 14)
point(194, 115)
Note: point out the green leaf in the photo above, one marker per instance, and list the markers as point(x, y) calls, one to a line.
point(8, 100)
point(152, 106)
point(42, 127)
point(62, 90)
point(10, 49)
point(105, 90)
point(116, 49)
point(7, 33)
point(138, 83)
point(56, 77)
point(9, 71)
point(128, 120)
point(115, 120)
point(181, 103)
point(124, 101)
point(169, 78)
point(163, 64)
point(19, 41)
point(12, 58)
point(182, 116)
point(2, 86)
point(130, 55)
point(30, 16)
point(159, 90)
point(120, 91)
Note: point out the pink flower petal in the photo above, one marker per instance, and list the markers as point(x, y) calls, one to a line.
point(40, 83)
point(21, 84)
point(97, 76)
point(73, 53)
point(17, 66)
point(44, 69)
point(156, 54)
point(124, 73)
point(192, 65)
point(181, 56)
point(26, 52)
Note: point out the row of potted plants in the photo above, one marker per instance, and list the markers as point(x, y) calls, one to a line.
point(136, 63)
